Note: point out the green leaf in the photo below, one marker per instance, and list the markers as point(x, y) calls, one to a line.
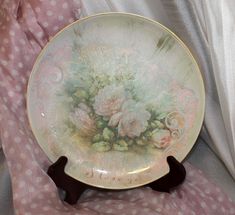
point(108, 134)
point(161, 116)
point(120, 145)
point(97, 138)
point(101, 146)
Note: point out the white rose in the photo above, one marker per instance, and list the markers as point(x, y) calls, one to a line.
point(109, 100)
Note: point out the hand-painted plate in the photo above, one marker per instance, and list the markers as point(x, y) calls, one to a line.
point(116, 93)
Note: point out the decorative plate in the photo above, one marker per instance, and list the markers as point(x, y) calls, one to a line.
point(116, 93)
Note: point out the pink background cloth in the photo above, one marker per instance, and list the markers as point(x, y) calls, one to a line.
point(25, 27)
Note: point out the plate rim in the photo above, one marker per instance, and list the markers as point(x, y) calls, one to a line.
point(174, 35)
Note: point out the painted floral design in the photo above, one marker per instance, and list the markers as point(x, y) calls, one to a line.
point(161, 138)
point(109, 100)
point(132, 120)
point(82, 121)
point(110, 112)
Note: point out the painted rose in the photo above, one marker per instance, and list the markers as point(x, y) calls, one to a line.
point(109, 100)
point(81, 119)
point(161, 138)
point(132, 120)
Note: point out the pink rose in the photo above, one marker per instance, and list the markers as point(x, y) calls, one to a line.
point(161, 138)
point(109, 100)
point(83, 122)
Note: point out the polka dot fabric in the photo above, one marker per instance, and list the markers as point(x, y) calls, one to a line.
point(25, 27)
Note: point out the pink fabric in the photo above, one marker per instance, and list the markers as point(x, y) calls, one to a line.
point(25, 27)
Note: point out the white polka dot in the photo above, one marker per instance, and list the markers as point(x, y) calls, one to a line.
point(158, 209)
point(97, 207)
point(15, 196)
point(33, 20)
point(168, 207)
point(10, 165)
point(17, 26)
point(14, 72)
point(109, 211)
point(47, 187)
point(45, 24)
point(40, 196)
point(45, 208)
point(29, 172)
point(232, 211)
point(16, 48)
point(120, 206)
point(223, 209)
point(11, 56)
point(11, 123)
point(134, 211)
point(22, 156)
point(22, 184)
point(40, 34)
point(55, 28)
point(33, 205)
point(220, 199)
point(214, 206)
point(24, 201)
point(146, 210)
point(120, 196)
point(60, 17)
point(145, 204)
point(53, 2)
point(49, 13)
point(5, 41)
point(11, 93)
point(11, 150)
point(36, 151)
point(37, 9)
point(22, 41)
point(12, 33)
point(4, 63)
point(38, 179)
point(71, 20)
point(23, 80)
point(65, 5)
point(132, 199)
point(5, 134)
point(154, 200)
point(162, 196)
point(17, 139)
point(193, 192)
point(27, 58)
point(20, 65)
point(18, 88)
point(107, 202)
point(203, 204)
point(18, 166)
